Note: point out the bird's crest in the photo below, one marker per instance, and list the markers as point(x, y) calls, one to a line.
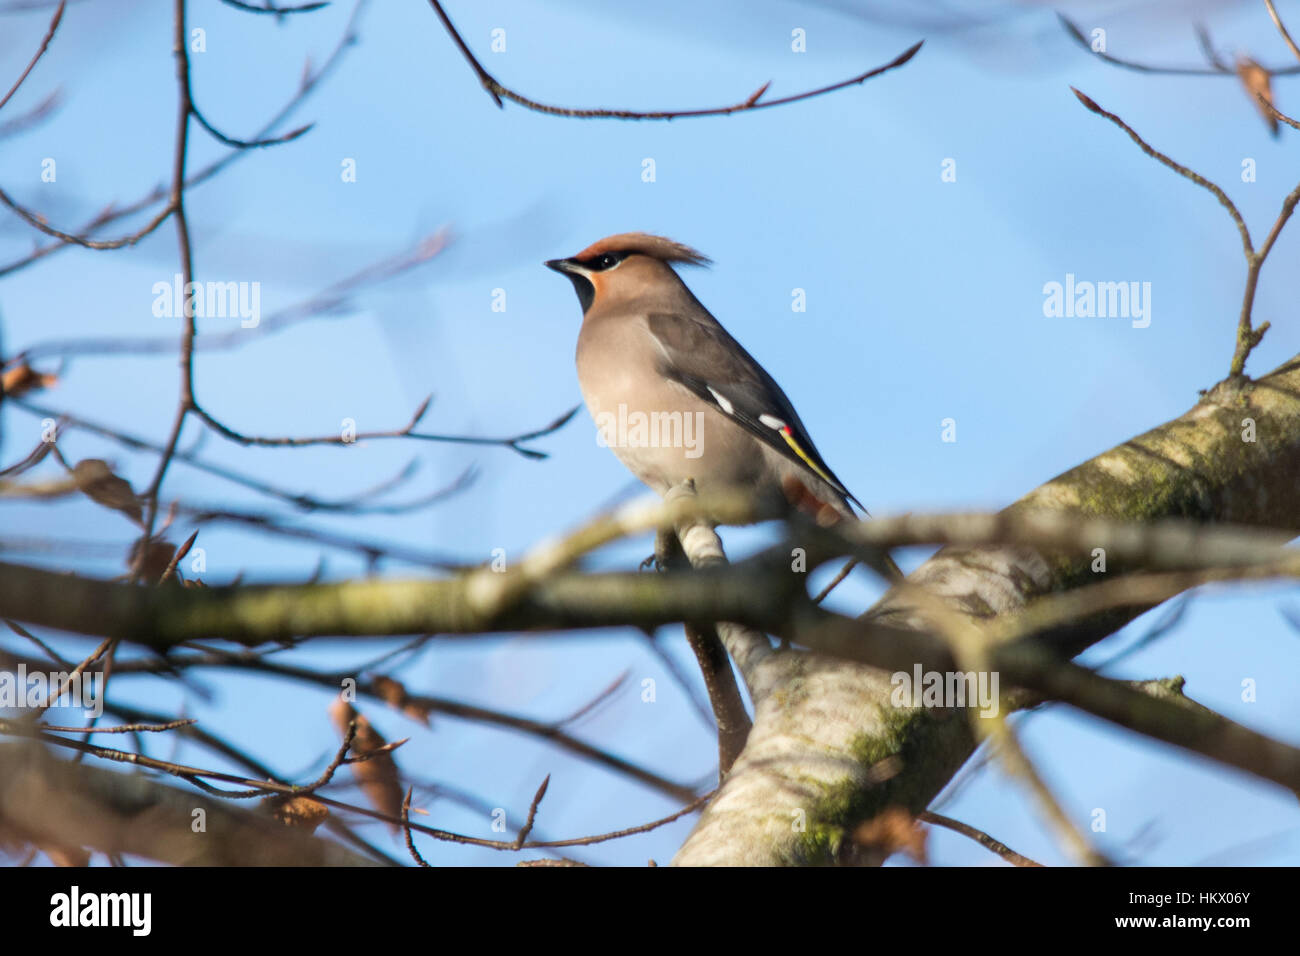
point(655, 246)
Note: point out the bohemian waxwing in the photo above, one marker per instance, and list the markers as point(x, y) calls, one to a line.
point(676, 397)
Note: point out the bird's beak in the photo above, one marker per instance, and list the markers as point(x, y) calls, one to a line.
point(580, 276)
point(564, 266)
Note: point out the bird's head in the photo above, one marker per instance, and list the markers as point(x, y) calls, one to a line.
point(625, 267)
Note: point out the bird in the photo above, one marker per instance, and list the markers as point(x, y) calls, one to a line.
point(678, 399)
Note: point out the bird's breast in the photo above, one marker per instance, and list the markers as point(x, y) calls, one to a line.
point(662, 432)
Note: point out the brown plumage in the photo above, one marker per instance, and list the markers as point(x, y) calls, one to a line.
point(675, 397)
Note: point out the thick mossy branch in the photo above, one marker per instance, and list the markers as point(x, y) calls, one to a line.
point(161, 618)
point(818, 758)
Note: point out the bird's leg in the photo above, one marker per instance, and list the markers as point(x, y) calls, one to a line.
point(668, 551)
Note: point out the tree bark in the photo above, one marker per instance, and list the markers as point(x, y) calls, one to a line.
point(828, 751)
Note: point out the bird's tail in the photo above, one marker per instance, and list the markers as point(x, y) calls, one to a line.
point(827, 513)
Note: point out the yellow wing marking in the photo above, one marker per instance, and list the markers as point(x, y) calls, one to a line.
point(794, 446)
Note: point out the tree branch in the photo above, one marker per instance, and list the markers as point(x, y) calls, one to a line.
point(57, 802)
point(498, 91)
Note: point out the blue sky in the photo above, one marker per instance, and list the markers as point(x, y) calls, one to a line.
point(924, 302)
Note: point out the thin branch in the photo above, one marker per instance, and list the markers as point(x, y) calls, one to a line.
point(1082, 39)
point(1207, 48)
point(125, 728)
point(222, 138)
point(1281, 28)
point(40, 52)
point(552, 732)
point(177, 557)
point(42, 794)
point(37, 222)
point(1276, 113)
point(112, 213)
point(333, 300)
point(1181, 170)
point(352, 504)
point(186, 403)
point(272, 9)
point(374, 551)
point(37, 114)
point(197, 775)
point(836, 581)
point(1248, 336)
point(49, 652)
point(406, 830)
point(498, 91)
point(514, 443)
point(719, 680)
point(979, 836)
point(601, 698)
point(527, 828)
point(679, 675)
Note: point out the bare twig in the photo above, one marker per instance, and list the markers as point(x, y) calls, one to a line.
point(222, 138)
point(979, 836)
point(40, 52)
point(514, 443)
point(1248, 336)
point(353, 504)
point(180, 554)
point(1276, 113)
point(332, 301)
point(184, 109)
point(112, 213)
point(552, 732)
point(197, 776)
point(271, 8)
point(37, 114)
point(406, 831)
point(126, 728)
point(1078, 34)
point(37, 222)
point(1207, 48)
point(527, 828)
point(1281, 28)
point(1180, 169)
point(498, 91)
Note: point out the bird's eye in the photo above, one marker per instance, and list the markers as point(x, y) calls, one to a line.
point(607, 261)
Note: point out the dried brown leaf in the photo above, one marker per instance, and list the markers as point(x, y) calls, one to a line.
point(298, 812)
point(1259, 85)
point(378, 777)
point(891, 830)
point(393, 693)
point(96, 481)
point(22, 378)
point(158, 555)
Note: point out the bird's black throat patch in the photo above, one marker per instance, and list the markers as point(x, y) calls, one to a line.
point(586, 291)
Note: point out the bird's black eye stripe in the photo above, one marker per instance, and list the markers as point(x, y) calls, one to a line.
point(606, 260)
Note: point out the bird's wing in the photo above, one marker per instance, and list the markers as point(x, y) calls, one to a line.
point(707, 361)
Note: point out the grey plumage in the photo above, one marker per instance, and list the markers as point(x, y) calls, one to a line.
point(650, 355)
